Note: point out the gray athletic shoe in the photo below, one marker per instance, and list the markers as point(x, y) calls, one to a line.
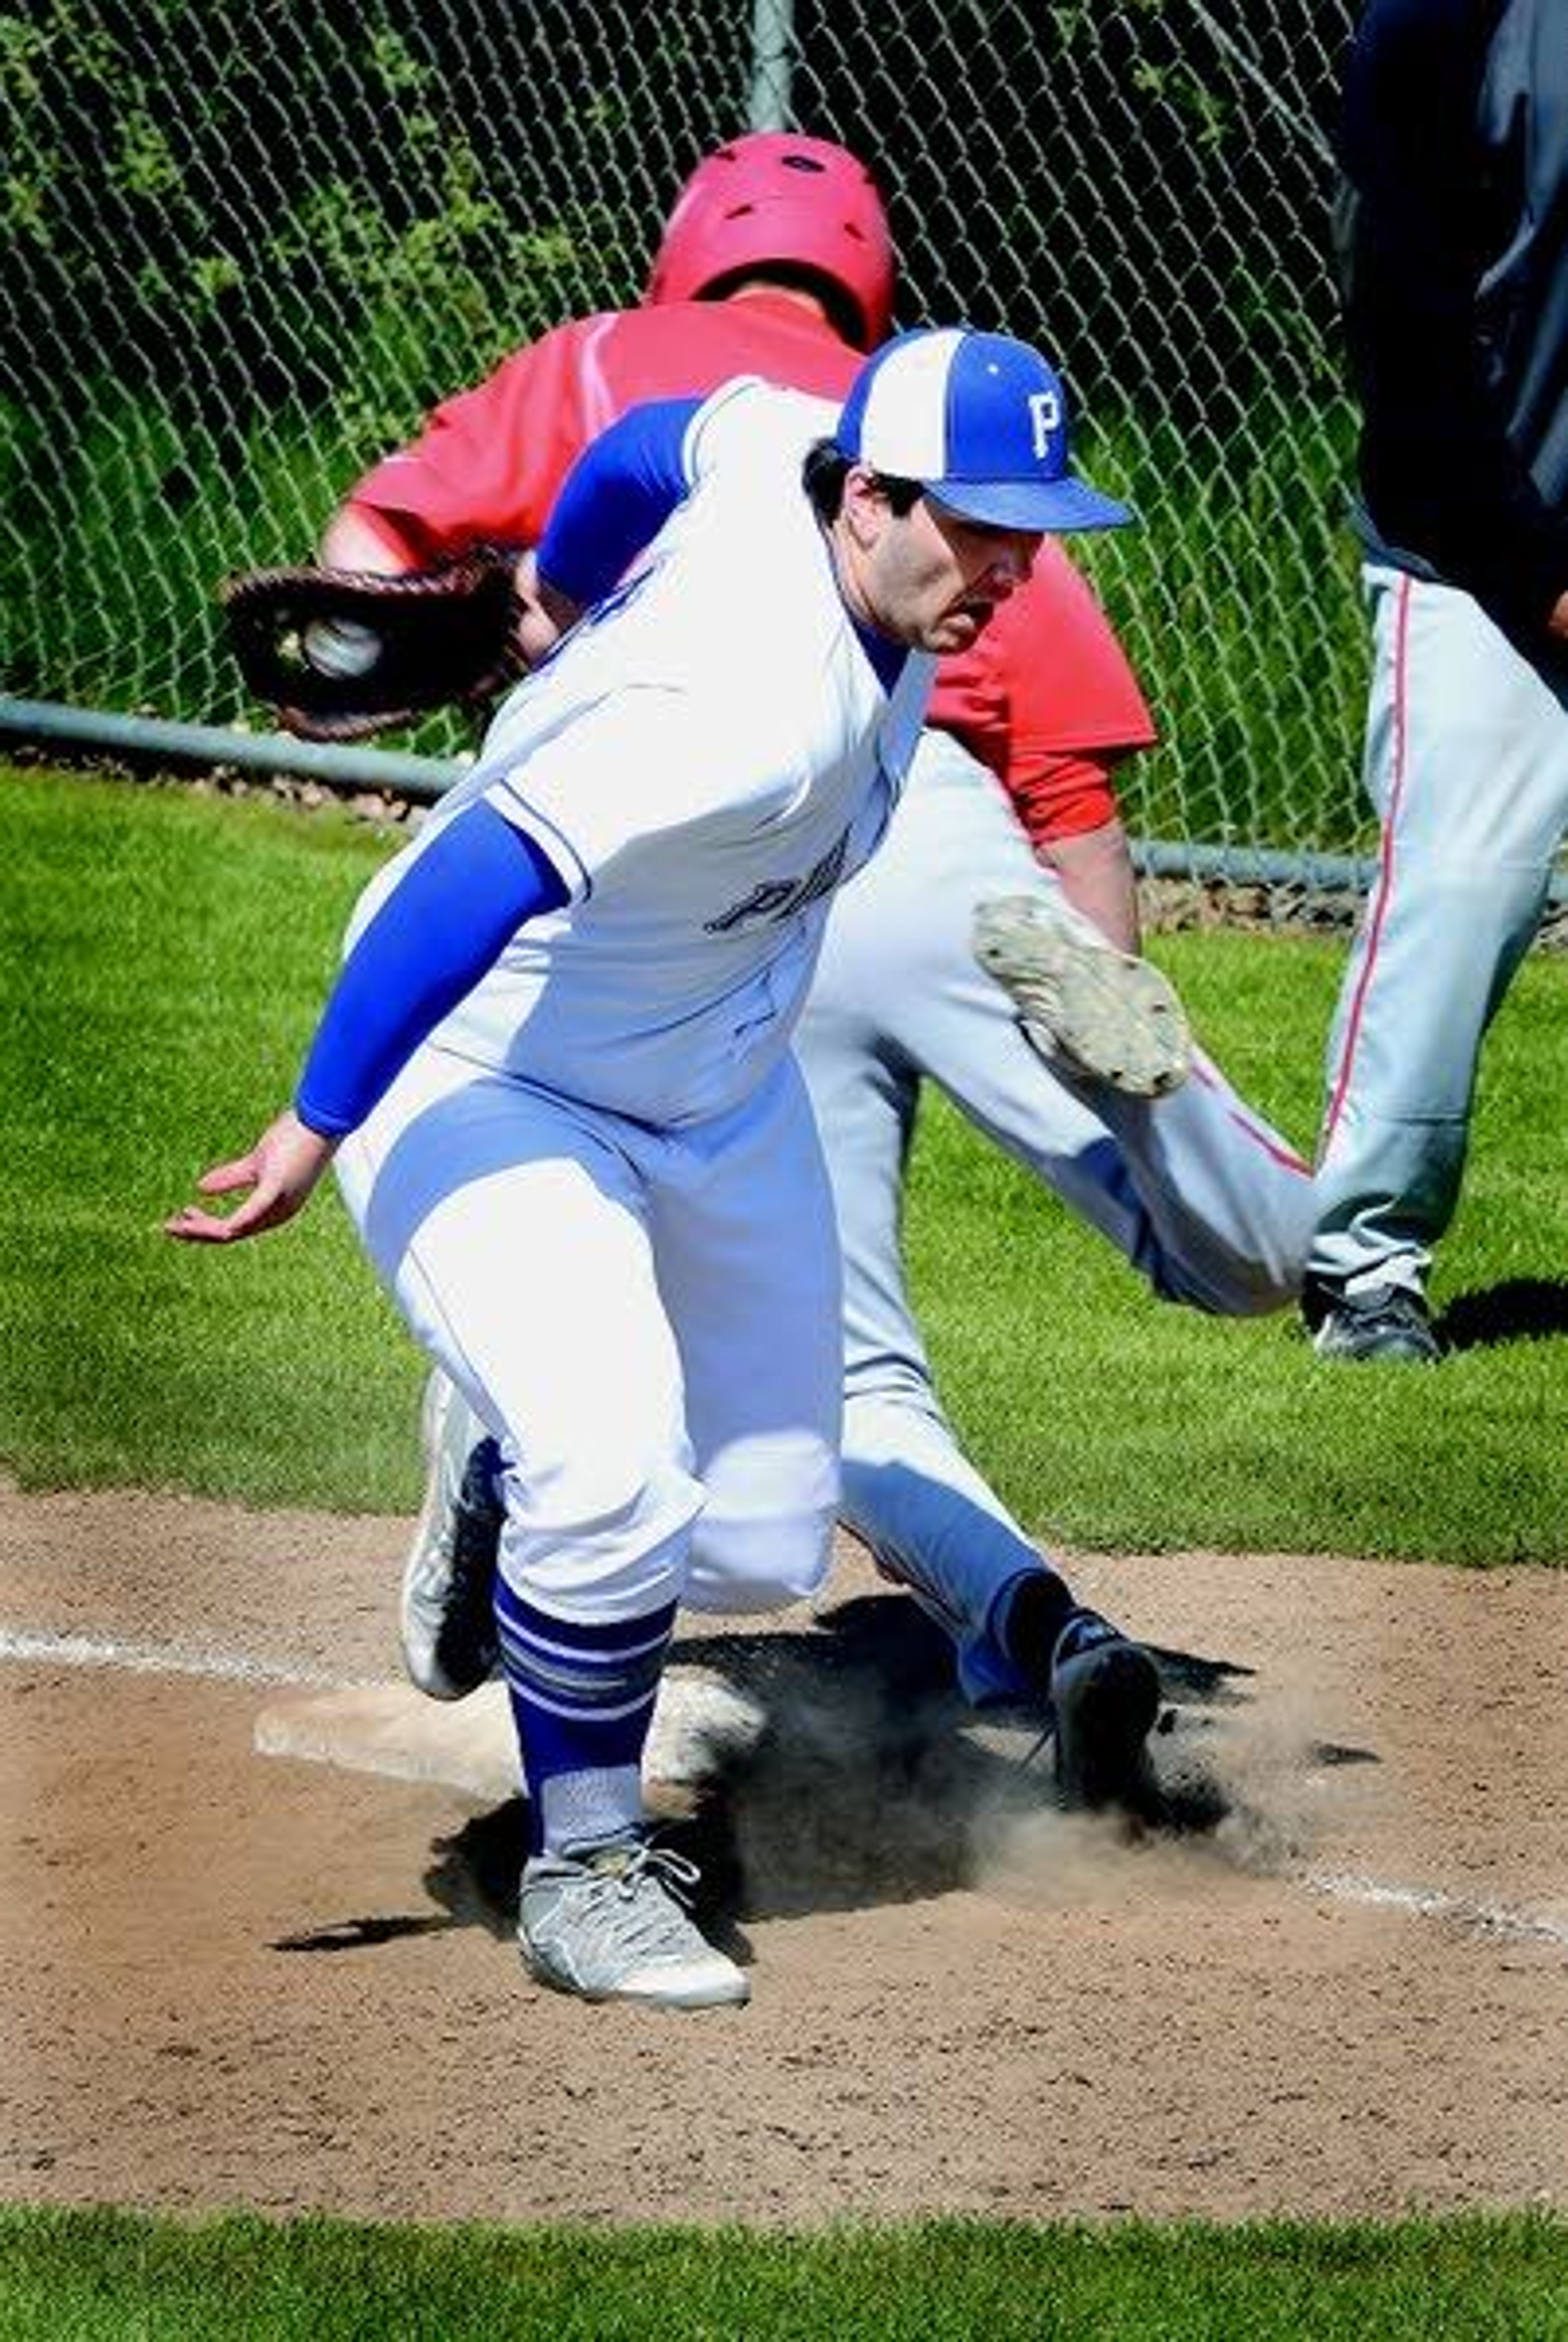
point(1109, 1013)
point(608, 1923)
point(448, 1614)
point(1388, 1322)
point(1104, 1698)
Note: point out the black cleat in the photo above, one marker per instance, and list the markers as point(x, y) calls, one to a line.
point(1105, 1697)
point(1381, 1321)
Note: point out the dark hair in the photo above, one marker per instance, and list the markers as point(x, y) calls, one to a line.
point(823, 476)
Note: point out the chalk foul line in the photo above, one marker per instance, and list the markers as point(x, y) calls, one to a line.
point(160, 1659)
point(1503, 1921)
point(1480, 1915)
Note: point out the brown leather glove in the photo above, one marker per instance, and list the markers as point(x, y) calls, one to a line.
point(340, 653)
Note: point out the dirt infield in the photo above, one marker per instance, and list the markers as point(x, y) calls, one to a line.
point(235, 1978)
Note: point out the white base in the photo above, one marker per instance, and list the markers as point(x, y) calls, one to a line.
point(701, 1722)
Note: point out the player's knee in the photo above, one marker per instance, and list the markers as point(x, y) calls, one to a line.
point(647, 1505)
point(606, 1525)
point(764, 1537)
point(1246, 1289)
point(759, 1562)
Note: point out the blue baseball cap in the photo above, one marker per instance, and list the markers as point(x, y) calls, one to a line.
point(981, 420)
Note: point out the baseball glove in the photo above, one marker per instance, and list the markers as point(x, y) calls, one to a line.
point(340, 653)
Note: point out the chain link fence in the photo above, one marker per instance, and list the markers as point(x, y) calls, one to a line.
point(243, 255)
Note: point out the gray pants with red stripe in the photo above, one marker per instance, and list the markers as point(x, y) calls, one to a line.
point(1206, 1200)
point(1466, 764)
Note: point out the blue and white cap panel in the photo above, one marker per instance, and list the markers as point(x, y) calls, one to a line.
point(981, 420)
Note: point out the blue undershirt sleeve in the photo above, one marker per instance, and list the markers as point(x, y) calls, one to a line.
point(427, 946)
point(617, 497)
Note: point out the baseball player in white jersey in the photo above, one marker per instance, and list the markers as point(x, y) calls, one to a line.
point(777, 259)
point(555, 1072)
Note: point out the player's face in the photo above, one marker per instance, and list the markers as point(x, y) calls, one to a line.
point(928, 577)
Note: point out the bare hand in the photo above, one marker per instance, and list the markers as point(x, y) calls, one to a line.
point(280, 1171)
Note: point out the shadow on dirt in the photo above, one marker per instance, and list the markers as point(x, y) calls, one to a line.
point(873, 1781)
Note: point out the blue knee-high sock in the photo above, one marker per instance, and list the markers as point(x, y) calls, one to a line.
point(582, 1700)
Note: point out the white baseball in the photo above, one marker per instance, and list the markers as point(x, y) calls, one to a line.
point(341, 648)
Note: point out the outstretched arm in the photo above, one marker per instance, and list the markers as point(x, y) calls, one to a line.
point(276, 1176)
point(1095, 870)
point(617, 497)
point(462, 900)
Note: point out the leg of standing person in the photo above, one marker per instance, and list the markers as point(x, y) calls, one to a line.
point(1467, 767)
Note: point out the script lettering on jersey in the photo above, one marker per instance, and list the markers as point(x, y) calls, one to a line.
point(780, 898)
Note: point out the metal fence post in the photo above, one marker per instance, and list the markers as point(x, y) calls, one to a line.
point(773, 51)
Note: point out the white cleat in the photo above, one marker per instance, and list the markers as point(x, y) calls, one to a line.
point(609, 1923)
point(1107, 1012)
point(450, 1644)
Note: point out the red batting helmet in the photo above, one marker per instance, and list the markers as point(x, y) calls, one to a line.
point(774, 196)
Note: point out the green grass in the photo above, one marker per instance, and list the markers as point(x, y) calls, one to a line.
point(90, 2275)
point(1111, 1419)
point(167, 954)
point(162, 955)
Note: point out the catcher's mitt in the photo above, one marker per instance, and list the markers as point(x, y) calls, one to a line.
point(340, 653)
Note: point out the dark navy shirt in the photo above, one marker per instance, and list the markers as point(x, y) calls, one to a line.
point(1453, 236)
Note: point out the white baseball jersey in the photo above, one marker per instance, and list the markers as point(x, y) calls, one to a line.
point(707, 758)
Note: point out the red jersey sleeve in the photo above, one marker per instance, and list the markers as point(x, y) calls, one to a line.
point(488, 463)
point(1070, 795)
point(1047, 699)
